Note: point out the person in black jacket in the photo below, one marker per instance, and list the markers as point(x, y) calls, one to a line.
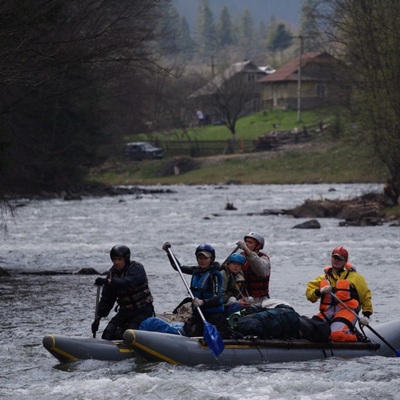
point(206, 287)
point(126, 283)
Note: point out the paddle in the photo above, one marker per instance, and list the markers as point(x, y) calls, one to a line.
point(187, 299)
point(97, 305)
point(233, 251)
point(397, 352)
point(210, 333)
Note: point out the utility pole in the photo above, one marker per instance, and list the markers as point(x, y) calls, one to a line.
point(301, 49)
point(299, 79)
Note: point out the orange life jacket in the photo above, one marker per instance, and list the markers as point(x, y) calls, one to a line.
point(342, 321)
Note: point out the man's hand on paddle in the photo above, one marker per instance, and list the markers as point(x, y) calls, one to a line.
point(95, 326)
point(197, 302)
point(166, 246)
point(101, 281)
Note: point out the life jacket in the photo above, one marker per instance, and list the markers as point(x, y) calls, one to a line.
point(203, 285)
point(343, 292)
point(133, 297)
point(326, 302)
point(342, 321)
point(256, 286)
point(233, 288)
point(349, 268)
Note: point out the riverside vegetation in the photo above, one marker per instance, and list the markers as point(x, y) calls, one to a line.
point(334, 155)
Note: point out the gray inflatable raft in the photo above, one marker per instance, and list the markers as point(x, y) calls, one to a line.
point(182, 350)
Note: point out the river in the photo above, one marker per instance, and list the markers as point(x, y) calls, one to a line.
point(65, 236)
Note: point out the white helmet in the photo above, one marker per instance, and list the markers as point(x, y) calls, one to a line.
point(257, 237)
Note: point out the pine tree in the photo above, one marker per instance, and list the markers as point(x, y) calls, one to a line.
point(309, 26)
point(169, 29)
point(225, 34)
point(280, 38)
point(206, 31)
point(246, 34)
point(247, 26)
point(187, 46)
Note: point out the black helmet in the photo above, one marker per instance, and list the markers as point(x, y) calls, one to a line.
point(206, 249)
point(120, 250)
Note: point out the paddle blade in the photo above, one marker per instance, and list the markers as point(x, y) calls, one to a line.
point(213, 339)
point(398, 353)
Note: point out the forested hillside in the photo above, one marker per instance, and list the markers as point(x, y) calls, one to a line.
point(287, 11)
point(77, 78)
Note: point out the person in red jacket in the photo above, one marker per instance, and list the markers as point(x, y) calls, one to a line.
point(257, 268)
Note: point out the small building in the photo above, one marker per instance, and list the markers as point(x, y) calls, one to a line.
point(315, 74)
point(238, 83)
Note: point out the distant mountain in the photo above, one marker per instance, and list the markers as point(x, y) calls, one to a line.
point(287, 11)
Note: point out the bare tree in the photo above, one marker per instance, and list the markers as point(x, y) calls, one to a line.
point(231, 94)
point(366, 35)
point(60, 64)
point(234, 98)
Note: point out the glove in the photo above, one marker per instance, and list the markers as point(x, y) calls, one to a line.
point(364, 321)
point(197, 302)
point(166, 245)
point(231, 300)
point(101, 281)
point(95, 326)
point(242, 245)
point(326, 289)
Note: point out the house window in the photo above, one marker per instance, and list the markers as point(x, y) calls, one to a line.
point(251, 77)
point(320, 91)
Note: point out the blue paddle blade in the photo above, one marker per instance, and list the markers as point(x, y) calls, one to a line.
point(398, 353)
point(213, 339)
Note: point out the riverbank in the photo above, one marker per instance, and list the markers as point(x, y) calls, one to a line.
point(319, 160)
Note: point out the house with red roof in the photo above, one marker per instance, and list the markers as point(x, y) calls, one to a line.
point(311, 79)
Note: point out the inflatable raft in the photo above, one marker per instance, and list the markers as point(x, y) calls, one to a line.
point(66, 348)
point(182, 350)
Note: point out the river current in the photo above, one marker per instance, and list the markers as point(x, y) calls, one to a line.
point(66, 236)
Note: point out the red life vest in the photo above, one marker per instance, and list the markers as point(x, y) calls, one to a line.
point(256, 286)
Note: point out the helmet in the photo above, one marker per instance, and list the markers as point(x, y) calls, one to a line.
point(236, 257)
point(206, 248)
point(257, 237)
point(120, 250)
point(341, 251)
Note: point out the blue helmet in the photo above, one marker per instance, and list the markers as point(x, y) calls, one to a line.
point(206, 249)
point(236, 257)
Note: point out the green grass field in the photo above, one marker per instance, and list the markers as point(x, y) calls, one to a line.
point(247, 128)
point(332, 157)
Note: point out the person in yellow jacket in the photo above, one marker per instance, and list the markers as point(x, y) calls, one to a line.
point(350, 287)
